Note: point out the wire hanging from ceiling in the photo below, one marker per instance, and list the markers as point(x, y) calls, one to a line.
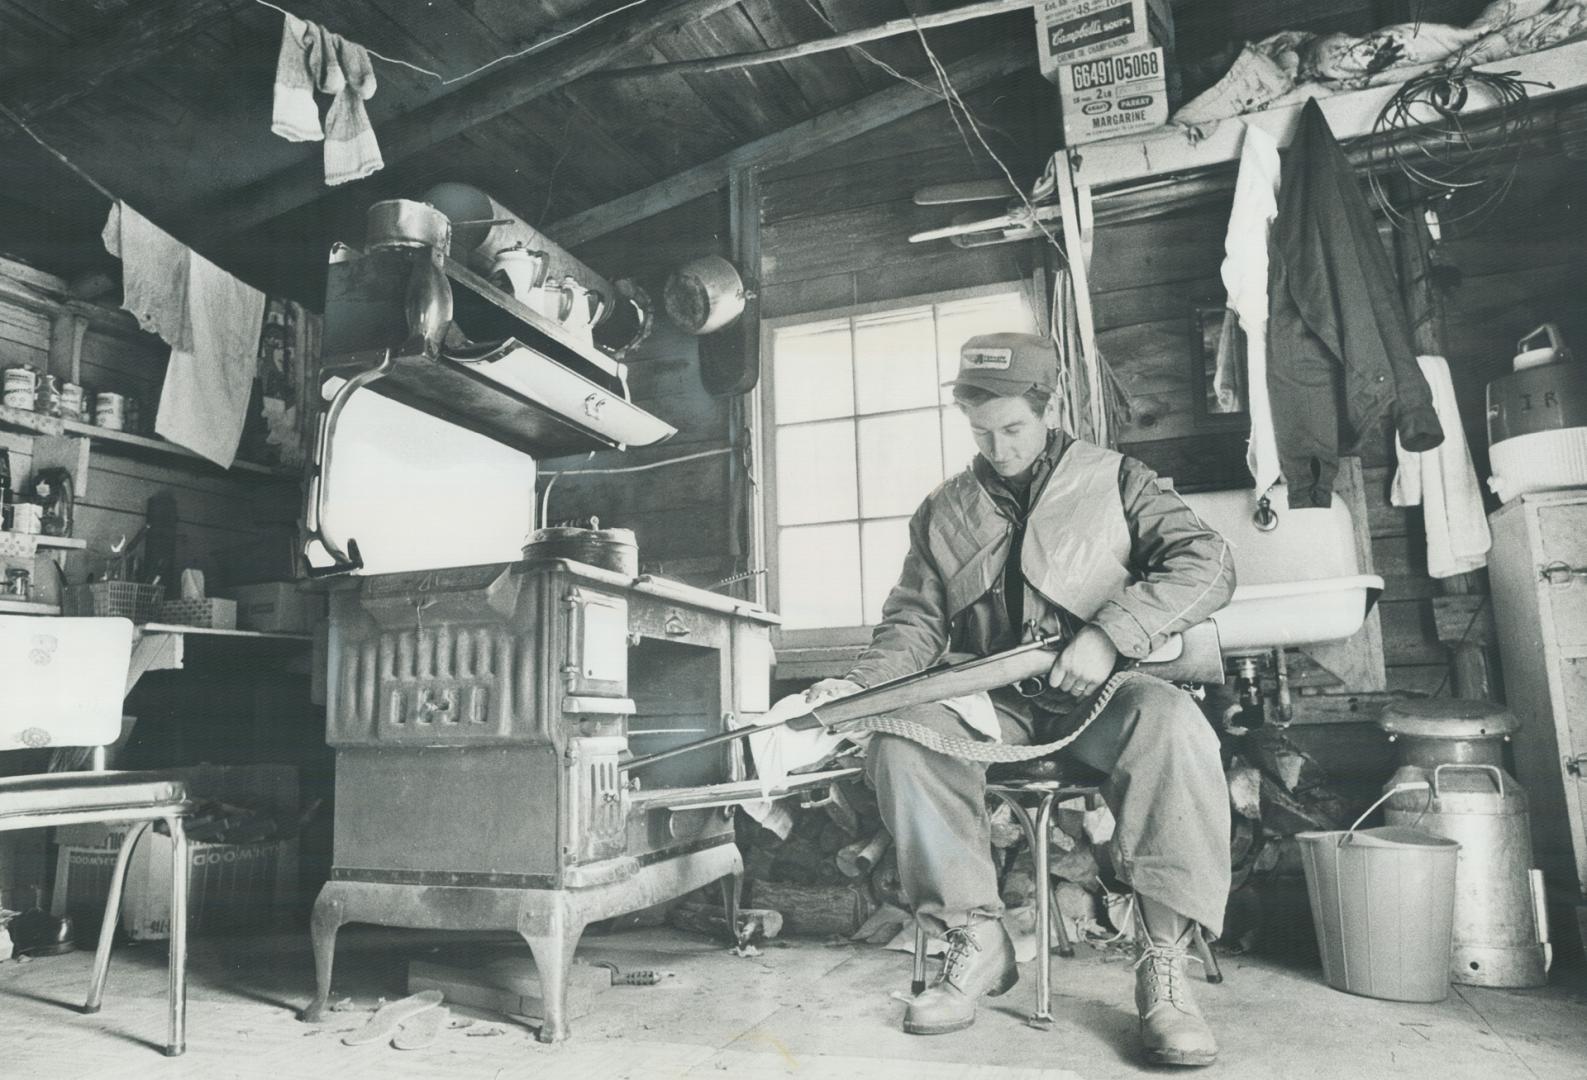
point(1423, 134)
point(516, 55)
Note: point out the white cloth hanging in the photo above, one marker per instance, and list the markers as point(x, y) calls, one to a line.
point(1444, 483)
point(1244, 274)
point(212, 322)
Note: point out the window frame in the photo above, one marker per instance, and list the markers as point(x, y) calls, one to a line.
point(765, 429)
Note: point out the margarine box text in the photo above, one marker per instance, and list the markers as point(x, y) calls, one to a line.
point(1115, 95)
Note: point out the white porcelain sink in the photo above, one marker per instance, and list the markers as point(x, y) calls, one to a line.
point(1297, 584)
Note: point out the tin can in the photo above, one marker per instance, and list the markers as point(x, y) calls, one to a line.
point(47, 398)
point(21, 384)
point(26, 517)
point(110, 411)
point(71, 401)
point(132, 416)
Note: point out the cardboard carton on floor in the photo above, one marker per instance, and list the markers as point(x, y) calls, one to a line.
point(231, 886)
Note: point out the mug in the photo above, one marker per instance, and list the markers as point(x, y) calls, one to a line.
point(523, 270)
point(554, 302)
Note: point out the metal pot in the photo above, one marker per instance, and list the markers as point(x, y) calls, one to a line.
point(406, 223)
point(610, 549)
point(703, 295)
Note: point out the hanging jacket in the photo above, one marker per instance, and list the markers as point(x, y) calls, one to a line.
point(1102, 544)
point(1335, 317)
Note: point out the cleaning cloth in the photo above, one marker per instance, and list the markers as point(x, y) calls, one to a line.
point(1444, 483)
point(210, 319)
point(312, 58)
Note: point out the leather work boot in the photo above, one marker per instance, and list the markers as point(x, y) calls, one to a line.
point(1173, 1031)
point(980, 961)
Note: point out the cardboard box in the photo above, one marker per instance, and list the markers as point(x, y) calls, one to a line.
point(1068, 31)
point(278, 606)
point(1117, 95)
point(231, 886)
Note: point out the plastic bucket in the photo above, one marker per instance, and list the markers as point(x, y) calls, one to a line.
point(1383, 901)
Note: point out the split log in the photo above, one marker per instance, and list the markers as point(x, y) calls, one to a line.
point(816, 910)
point(858, 859)
point(754, 924)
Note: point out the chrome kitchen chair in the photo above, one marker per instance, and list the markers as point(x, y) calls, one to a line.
point(62, 681)
point(1032, 790)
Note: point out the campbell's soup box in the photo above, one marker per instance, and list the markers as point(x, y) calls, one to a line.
point(1115, 95)
point(1068, 31)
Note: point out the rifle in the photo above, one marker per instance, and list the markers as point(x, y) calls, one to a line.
point(1192, 655)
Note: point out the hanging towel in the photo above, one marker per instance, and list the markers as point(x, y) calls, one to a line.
point(1245, 282)
point(351, 152)
point(1444, 483)
point(153, 274)
point(312, 58)
point(300, 67)
point(211, 321)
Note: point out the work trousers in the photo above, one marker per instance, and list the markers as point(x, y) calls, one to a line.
point(1165, 787)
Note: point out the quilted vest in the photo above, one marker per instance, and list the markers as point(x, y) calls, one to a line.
point(1077, 543)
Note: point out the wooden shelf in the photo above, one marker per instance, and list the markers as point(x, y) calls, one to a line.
point(40, 540)
point(1168, 150)
point(125, 443)
point(209, 631)
point(27, 607)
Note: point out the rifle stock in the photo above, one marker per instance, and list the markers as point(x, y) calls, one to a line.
point(1192, 655)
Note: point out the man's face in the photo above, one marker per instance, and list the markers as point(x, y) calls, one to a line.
point(1008, 432)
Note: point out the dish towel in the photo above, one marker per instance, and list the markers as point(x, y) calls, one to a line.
point(154, 278)
point(212, 323)
point(1444, 483)
point(312, 58)
point(1244, 274)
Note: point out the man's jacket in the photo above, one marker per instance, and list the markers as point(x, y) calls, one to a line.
point(1335, 315)
point(1099, 543)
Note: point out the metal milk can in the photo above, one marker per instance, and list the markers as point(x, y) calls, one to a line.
point(1455, 748)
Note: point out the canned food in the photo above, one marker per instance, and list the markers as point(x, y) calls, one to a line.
point(71, 401)
point(47, 398)
point(132, 417)
point(26, 517)
point(21, 384)
point(110, 411)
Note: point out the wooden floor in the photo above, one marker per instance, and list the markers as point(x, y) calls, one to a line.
point(807, 1010)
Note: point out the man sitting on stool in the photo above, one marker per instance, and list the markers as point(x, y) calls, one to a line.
point(1046, 534)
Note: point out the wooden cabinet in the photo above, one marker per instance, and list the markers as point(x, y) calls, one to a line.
point(1538, 572)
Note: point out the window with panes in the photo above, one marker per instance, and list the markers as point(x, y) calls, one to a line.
point(860, 429)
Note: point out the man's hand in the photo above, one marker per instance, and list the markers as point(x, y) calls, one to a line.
point(1085, 663)
point(827, 689)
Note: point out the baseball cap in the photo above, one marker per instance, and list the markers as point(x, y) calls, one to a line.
point(1007, 364)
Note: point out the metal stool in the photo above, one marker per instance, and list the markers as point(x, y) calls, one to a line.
point(1048, 782)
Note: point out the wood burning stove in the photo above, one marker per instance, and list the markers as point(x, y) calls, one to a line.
point(479, 714)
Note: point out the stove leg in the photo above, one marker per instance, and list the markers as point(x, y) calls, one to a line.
point(553, 955)
point(329, 913)
point(731, 887)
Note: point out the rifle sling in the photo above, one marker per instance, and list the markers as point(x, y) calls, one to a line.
point(972, 750)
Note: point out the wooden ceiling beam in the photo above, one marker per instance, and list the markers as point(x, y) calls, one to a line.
point(791, 143)
point(78, 71)
point(500, 90)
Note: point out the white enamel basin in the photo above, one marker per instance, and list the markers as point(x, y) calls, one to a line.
point(1298, 584)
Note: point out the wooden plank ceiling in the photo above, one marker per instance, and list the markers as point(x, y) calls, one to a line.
point(167, 104)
